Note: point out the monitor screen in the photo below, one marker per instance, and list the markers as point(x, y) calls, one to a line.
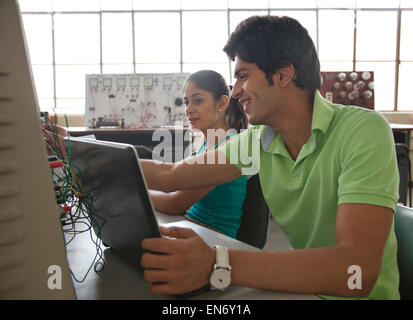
point(115, 194)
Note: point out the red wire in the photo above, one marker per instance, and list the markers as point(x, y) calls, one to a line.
point(55, 164)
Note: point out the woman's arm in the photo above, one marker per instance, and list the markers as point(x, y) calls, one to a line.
point(177, 202)
point(54, 138)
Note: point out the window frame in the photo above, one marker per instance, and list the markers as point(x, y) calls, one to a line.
point(228, 12)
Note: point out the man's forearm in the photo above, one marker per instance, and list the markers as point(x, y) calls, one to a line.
point(318, 271)
point(157, 175)
point(167, 202)
point(189, 174)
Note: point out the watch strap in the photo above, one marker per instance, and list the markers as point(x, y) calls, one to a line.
point(222, 257)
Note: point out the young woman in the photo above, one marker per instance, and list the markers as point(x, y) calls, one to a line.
point(210, 110)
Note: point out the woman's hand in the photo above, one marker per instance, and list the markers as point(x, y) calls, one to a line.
point(54, 140)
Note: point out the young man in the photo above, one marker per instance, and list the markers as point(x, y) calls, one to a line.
point(328, 173)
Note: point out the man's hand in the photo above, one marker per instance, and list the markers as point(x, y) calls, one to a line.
point(179, 265)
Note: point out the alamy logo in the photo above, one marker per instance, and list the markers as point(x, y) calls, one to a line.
point(54, 282)
point(354, 281)
point(247, 154)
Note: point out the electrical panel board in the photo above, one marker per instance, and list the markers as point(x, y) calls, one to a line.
point(349, 88)
point(135, 100)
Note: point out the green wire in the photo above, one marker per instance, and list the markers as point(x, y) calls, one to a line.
point(69, 190)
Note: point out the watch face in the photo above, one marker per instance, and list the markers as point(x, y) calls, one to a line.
point(221, 278)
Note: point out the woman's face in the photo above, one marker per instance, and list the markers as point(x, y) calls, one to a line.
point(201, 110)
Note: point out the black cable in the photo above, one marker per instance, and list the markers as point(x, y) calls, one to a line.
point(78, 217)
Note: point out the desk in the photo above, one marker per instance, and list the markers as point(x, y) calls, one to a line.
point(401, 127)
point(121, 280)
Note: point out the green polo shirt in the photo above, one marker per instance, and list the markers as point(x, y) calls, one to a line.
point(349, 158)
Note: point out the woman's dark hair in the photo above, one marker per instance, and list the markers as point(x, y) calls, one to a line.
point(273, 42)
point(215, 84)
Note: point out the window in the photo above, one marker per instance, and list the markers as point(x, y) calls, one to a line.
point(406, 43)
point(116, 5)
point(202, 4)
point(293, 4)
point(336, 4)
point(376, 35)
point(236, 17)
point(248, 4)
point(154, 44)
point(337, 44)
point(77, 38)
point(35, 6)
point(156, 5)
point(405, 98)
point(75, 5)
point(68, 39)
point(204, 34)
point(307, 18)
point(405, 101)
point(39, 41)
point(384, 84)
point(117, 40)
point(378, 4)
point(39, 38)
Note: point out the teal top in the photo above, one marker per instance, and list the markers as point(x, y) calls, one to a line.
point(221, 208)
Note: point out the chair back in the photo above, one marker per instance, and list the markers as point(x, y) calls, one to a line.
point(254, 225)
point(403, 164)
point(403, 227)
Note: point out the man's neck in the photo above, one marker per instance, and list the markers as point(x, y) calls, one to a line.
point(294, 124)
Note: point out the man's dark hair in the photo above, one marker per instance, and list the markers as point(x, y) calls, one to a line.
point(273, 42)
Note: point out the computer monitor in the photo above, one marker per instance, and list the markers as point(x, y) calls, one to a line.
point(115, 194)
point(33, 263)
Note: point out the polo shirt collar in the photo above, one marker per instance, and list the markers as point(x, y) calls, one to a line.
point(322, 116)
point(322, 113)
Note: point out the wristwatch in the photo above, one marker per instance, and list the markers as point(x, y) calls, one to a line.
point(221, 274)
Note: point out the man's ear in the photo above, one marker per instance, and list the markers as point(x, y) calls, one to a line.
point(284, 75)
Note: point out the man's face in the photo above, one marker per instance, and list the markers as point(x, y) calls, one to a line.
point(253, 91)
